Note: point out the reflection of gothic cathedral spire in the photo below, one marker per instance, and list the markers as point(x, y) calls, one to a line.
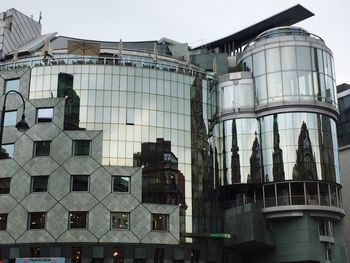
point(277, 155)
point(255, 162)
point(305, 167)
point(235, 164)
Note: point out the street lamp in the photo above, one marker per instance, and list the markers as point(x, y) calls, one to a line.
point(22, 125)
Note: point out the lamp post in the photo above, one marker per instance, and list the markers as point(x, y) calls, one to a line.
point(22, 125)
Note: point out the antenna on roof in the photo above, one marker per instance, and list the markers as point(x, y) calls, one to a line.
point(40, 17)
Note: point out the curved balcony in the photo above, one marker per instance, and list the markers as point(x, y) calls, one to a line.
point(291, 198)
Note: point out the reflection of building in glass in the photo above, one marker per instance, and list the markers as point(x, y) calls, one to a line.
point(162, 182)
point(305, 168)
point(237, 144)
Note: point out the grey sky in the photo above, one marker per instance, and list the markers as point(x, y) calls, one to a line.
point(191, 21)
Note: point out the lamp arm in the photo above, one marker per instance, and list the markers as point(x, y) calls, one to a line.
point(14, 91)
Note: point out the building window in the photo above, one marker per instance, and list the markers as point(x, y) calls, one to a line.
point(37, 220)
point(160, 222)
point(39, 183)
point(159, 255)
point(44, 115)
point(10, 118)
point(80, 183)
point(325, 227)
point(35, 252)
point(3, 221)
point(42, 148)
point(77, 220)
point(118, 255)
point(9, 151)
point(12, 84)
point(76, 255)
point(194, 256)
point(328, 253)
point(120, 220)
point(5, 185)
point(81, 147)
point(121, 184)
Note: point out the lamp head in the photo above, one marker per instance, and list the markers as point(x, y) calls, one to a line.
point(22, 125)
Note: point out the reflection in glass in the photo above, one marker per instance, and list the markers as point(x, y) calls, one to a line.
point(277, 155)
point(235, 164)
point(305, 167)
point(255, 163)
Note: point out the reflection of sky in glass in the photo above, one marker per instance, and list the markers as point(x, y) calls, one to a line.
point(9, 148)
point(10, 118)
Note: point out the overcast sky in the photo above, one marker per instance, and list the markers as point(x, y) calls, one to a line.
point(191, 21)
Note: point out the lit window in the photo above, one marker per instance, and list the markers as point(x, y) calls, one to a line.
point(42, 148)
point(120, 220)
point(3, 221)
point(76, 255)
point(12, 84)
point(77, 220)
point(10, 118)
point(37, 220)
point(81, 147)
point(35, 252)
point(326, 227)
point(121, 184)
point(39, 183)
point(160, 222)
point(5, 185)
point(118, 255)
point(9, 151)
point(80, 183)
point(44, 115)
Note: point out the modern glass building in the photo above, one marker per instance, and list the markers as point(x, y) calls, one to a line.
point(141, 151)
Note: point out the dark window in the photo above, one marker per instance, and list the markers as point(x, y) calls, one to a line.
point(159, 255)
point(42, 148)
point(81, 147)
point(160, 222)
point(9, 151)
point(194, 256)
point(3, 221)
point(39, 183)
point(11, 84)
point(44, 115)
point(10, 118)
point(77, 219)
point(5, 185)
point(121, 184)
point(120, 220)
point(325, 227)
point(37, 220)
point(35, 252)
point(80, 183)
point(76, 255)
point(118, 255)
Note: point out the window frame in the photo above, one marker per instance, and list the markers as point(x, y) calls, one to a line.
point(120, 228)
point(5, 215)
point(37, 214)
point(9, 186)
point(36, 146)
point(37, 177)
point(72, 183)
point(121, 176)
point(75, 147)
point(86, 214)
point(37, 115)
point(166, 224)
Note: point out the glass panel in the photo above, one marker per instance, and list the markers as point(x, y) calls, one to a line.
point(273, 60)
point(121, 184)
point(288, 58)
point(120, 221)
point(298, 196)
point(304, 58)
point(290, 85)
point(37, 220)
point(77, 219)
point(45, 115)
point(42, 148)
point(39, 183)
point(311, 193)
point(261, 92)
point(324, 194)
point(270, 197)
point(12, 84)
point(10, 118)
point(3, 221)
point(160, 222)
point(5, 185)
point(7, 151)
point(259, 63)
point(77, 255)
point(82, 147)
point(283, 194)
point(80, 183)
point(274, 84)
point(118, 255)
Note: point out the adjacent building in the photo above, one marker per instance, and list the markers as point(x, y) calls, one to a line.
point(155, 151)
